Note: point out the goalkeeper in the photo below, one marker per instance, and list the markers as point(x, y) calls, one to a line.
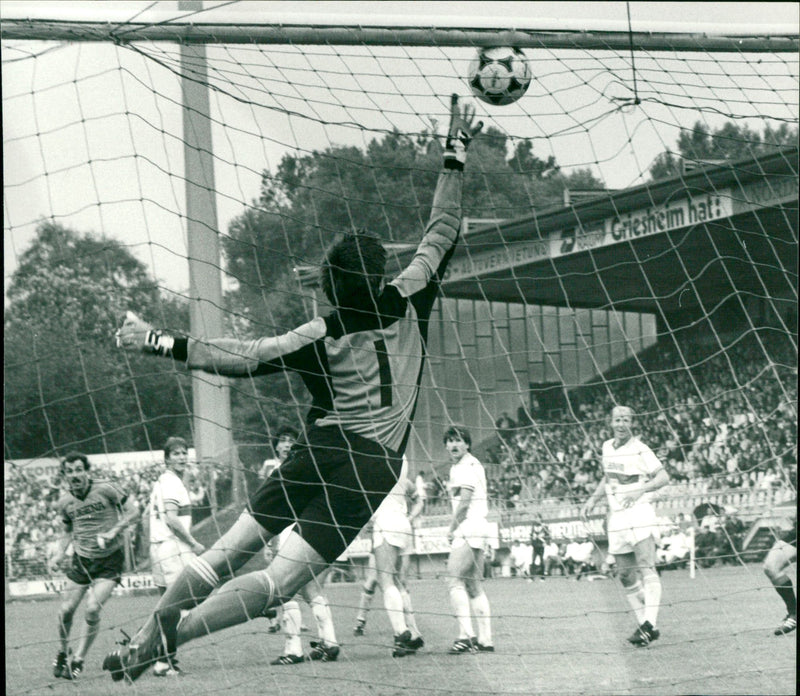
point(362, 364)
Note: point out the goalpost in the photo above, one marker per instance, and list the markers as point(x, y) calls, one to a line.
point(225, 153)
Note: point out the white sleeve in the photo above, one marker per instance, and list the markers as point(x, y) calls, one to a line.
point(652, 463)
point(467, 477)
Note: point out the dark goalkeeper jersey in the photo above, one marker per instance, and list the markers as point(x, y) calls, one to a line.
point(362, 368)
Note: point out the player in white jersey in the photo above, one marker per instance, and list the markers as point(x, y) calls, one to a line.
point(392, 542)
point(631, 473)
point(281, 446)
point(468, 536)
point(172, 546)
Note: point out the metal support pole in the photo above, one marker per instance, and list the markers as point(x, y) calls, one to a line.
point(210, 393)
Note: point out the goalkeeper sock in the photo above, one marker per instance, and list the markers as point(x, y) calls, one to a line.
point(238, 600)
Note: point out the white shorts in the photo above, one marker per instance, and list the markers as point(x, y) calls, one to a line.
point(473, 533)
point(167, 560)
point(393, 529)
point(626, 528)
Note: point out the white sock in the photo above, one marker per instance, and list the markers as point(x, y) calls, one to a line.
point(324, 619)
point(483, 618)
point(292, 620)
point(459, 601)
point(408, 611)
point(635, 596)
point(393, 602)
point(652, 595)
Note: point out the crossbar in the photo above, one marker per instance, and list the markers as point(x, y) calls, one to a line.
point(310, 34)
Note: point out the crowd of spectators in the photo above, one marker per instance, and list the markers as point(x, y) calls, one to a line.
point(728, 417)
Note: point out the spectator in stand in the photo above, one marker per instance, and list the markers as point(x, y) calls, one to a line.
point(673, 548)
point(553, 556)
point(522, 559)
point(505, 428)
point(201, 506)
point(540, 535)
point(578, 557)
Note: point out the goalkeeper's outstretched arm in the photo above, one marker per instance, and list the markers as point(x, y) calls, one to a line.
point(442, 230)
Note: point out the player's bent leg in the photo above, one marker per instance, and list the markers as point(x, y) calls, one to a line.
point(778, 560)
point(96, 597)
point(630, 579)
point(71, 599)
point(248, 596)
point(193, 586)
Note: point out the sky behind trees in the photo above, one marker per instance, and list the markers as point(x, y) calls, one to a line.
point(117, 108)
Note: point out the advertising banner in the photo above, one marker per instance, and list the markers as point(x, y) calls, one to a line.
point(53, 587)
point(121, 463)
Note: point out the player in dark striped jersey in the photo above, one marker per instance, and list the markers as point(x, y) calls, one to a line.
point(362, 365)
point(94, 513)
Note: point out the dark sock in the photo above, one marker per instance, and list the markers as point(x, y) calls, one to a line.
point(786, 592)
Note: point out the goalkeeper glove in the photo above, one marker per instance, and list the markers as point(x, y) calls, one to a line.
point(137, 334)
point(459, 134)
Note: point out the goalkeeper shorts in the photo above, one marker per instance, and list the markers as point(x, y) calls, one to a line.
point(329, 486)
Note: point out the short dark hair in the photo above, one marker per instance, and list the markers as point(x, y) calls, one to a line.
point(283, 433)
point(75, 457)
point(353, 270)
point(457, 431)
point(172, 443)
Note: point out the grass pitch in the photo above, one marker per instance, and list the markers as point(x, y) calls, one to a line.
point(553, 637)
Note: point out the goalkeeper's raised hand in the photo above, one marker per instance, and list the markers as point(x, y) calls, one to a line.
point(460, 133)
point(137, 335)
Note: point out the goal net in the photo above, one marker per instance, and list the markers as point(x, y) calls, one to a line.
point(629, 238)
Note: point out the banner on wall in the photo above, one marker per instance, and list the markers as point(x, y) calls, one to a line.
point(120, 463)
point(53, 587)
point(559, 529)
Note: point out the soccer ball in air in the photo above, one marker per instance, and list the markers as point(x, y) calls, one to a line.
point(499, 76)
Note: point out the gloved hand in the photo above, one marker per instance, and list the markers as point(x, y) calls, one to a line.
point(460, 133)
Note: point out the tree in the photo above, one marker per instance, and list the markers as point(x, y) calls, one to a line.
point(66, 385)
point(728, 142)
point(386, 187)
